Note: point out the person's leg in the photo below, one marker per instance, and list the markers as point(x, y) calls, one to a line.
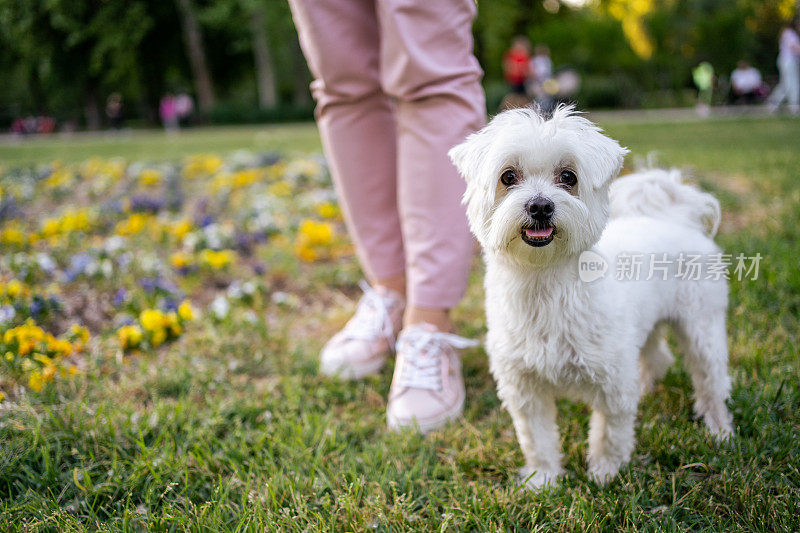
point(340, 40)
point(793, 84)
point(428, 66)
point(357, 124)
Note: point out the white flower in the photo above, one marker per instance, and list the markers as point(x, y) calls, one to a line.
point(92, 268)
point(220, 307)
point(107, 268)
point(213, 236)
point(114, 244)
point(235, 290)
point(191, 240)
point(45, 262)
point(124, 260)
point(6, 314)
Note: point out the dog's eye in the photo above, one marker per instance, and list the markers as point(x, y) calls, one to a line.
point(508, 177)
point(567, 179)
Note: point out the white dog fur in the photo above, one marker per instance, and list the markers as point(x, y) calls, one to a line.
point(601, 342)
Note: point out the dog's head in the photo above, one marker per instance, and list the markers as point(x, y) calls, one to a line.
point(537, 189)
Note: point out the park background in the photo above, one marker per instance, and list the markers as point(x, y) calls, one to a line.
point(164, 295)
point(242, 62)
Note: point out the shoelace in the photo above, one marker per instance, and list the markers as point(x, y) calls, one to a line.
point(422, 351)
point(371, 317)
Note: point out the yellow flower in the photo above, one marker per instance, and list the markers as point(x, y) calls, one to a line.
point(316, 233)
point(306, 253)
point(180, 260)
point(152, 319)
point(15, 288)
point(174, 326)
point(47, 361)
point(12, 236)
point(48, 373)
point(185, 311)
point(280, 188)
point(81, 332)
point(59, 179)
point(61, 347)
point(2, 396)
point(327, 210)
point(50, 228)
point(151, 177)
point(246, 177)
point(200, 165)
point(129, 336)
point(35, 381)
point(217, 260)
point(133, 224)
point(158, 338)
point(181, 228)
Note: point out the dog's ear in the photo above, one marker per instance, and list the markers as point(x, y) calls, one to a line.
point(471, 159)
point(603, 158)
point(470, 154)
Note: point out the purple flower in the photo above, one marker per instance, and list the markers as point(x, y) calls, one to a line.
point(146, 203)
point(149, 284)
point(37, 306)
point(160, 284)
point(259, 268)
point(120, 297)
point(77, 265)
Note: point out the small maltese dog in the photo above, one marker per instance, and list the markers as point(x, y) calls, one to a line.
point(541, 202)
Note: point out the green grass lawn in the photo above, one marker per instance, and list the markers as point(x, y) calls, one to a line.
point(231, 428)
point(156, 144)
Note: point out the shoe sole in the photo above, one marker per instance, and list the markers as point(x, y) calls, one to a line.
point(428, 425)
point(350, 371)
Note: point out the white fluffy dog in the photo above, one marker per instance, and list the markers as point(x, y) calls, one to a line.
point(539, 199)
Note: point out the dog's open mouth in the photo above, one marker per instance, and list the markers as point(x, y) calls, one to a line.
point(538, 236)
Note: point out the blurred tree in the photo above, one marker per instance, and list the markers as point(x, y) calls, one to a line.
point(265, 75)
point(243, 61)
point(195, 50)
point(74, 47)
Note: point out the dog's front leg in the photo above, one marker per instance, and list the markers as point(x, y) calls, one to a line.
point(534, 416)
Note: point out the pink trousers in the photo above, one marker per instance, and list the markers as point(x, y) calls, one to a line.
point(396, 86)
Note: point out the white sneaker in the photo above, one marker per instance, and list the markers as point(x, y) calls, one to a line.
point(362, 346)
point(427, 387)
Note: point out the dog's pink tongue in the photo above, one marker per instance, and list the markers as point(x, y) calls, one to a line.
point(530, 232)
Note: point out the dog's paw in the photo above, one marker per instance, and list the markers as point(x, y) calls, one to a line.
point(536, 479)
point(720, 424)
point(722, 431)
point(603, 470)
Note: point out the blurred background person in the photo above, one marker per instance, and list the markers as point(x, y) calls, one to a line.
point(541, 72)
point(703, 76)
point(788, 89)
point(114, 111)
point(184, 108)
point(747, 86)
point(516, 64)
point(168, 112)
point(516, 72)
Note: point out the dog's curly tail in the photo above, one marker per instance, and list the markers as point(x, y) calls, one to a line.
point(661, 193)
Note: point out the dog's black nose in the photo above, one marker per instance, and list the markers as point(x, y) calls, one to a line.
point(540, 208)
